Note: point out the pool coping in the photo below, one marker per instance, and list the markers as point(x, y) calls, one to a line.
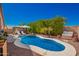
point(68, 51)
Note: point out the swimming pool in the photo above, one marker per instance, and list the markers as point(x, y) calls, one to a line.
point(42, 43)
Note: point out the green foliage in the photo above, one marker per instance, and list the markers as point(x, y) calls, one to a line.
point(52, 26)
point(3, 36)
point(58, 24)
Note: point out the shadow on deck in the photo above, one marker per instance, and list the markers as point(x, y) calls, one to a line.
point(17, 51)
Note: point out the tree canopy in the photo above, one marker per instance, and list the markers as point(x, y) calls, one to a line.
point(53, 26)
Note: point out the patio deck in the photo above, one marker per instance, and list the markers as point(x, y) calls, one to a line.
point(76, 45)
point(17, 51)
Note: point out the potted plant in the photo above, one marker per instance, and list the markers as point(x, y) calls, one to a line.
point(3, 38)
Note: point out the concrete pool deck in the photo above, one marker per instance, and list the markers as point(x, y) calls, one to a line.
point(17, 51)
point(69, 49)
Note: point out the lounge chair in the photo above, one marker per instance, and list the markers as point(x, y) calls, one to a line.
point(18, 33)
point(67, 35)
point(23, 33)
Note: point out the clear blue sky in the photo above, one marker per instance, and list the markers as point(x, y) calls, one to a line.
point(14, 14)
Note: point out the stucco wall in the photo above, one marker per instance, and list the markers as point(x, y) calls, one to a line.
point(5, 49)
point(1, 19)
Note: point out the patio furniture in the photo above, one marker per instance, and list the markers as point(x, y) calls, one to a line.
point(67, 35)
point(18, 33)
point(23, 33)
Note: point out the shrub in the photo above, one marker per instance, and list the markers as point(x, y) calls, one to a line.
point(53, 26)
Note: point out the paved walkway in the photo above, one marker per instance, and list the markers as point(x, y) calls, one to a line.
point(76, 45)
point(17, 51)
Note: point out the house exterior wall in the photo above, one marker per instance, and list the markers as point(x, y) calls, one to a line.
point(4, 45)
point(78, 32)
point(1, 19)
point(5, 53)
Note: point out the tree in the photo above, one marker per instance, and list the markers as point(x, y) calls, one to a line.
point(58, 25)
point(53, 26)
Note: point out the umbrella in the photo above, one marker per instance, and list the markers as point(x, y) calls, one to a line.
point(23, 26)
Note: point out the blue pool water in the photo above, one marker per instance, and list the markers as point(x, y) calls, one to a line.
point(42, 43)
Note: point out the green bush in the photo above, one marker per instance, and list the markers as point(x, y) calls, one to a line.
point(53, 26)
point(4, 36)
